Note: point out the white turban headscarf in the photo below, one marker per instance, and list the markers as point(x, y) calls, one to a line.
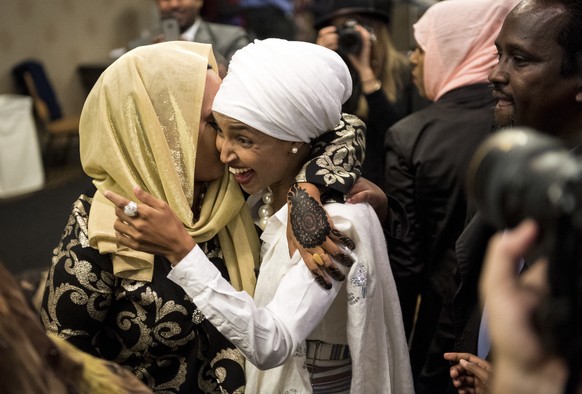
point(290, 90)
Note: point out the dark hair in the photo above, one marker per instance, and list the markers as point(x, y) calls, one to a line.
point(570, 37)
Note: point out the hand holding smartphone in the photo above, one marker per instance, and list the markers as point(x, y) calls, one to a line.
point(170, 29)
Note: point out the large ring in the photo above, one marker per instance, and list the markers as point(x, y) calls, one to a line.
point(318, 259)
point(130, 209)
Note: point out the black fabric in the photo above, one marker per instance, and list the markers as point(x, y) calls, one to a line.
point(427, 155)
point(269, 22)
point(458, 328)
point(330, 9)
point(41, 81)
point(396, 224)
point(152, 328)
point(382, 114)
point(335, 161)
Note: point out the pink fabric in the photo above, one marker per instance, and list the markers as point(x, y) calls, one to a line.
point(458, 38)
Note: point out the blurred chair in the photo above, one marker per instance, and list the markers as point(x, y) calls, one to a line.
point(31, 78)
point(21, 169)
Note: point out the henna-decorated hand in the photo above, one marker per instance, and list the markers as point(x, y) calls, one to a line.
point(154, 229)
point(311, 231)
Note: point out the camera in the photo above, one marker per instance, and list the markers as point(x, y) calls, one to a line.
point(519, 173)
point(350, 40)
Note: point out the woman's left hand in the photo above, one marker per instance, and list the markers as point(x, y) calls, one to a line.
point(311, 231)
point(153, 229)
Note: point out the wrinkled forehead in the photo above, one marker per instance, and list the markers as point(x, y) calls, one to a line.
point(536, 17)
point(533, 25)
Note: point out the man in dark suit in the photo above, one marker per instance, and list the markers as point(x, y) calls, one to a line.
point(537, 83)
point(428, 152)
point(225, 39)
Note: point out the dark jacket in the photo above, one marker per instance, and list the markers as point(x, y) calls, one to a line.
point(458, 326)
point(382, 114)
point(427, 155)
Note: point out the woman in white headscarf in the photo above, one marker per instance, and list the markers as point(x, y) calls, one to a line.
point(297, 336)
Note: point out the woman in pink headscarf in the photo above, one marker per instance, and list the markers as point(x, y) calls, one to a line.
point(427, 154)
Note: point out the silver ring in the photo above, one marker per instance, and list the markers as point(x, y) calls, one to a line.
point(130, 209)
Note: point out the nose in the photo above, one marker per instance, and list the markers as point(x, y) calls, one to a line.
point(498, 76)
point(227, 154)
point(413, 57)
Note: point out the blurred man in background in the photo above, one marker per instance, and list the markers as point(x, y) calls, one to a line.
point(225, 39)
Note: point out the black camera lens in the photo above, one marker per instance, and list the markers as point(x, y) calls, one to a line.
point(519, 173)
point(349, 41)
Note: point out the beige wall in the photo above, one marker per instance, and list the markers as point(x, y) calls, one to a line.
point(65, 33)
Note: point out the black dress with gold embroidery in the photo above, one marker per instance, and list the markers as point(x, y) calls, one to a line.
point(152, 328)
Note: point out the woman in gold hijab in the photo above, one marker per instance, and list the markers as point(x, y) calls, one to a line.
point(148, 123)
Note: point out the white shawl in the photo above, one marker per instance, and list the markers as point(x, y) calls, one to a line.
point(375, 333)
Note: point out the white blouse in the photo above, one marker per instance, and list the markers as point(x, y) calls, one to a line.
point(267, 333)
point(290, 306)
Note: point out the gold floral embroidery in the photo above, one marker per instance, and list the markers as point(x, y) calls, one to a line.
point(338, 156)
point(146, 327)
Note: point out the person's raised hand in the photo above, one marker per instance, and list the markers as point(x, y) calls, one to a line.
point(362, 61)
point(311, 231)
point(328, 37)
point(367, 191)
point(470, 374)
point(520, 363)
point(154, 228)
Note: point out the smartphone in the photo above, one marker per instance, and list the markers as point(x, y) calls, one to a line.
point(170, 29)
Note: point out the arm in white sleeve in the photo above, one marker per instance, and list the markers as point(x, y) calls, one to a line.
point(266, 336)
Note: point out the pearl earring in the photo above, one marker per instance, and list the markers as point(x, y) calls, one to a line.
point(294, 150)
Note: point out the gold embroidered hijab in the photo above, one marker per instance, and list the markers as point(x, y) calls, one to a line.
point(139, 126)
